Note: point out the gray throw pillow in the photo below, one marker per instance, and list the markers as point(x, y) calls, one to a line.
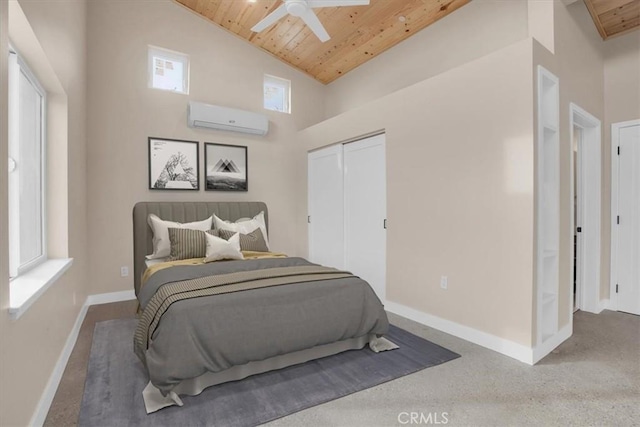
point(253, 241)
point(186, 243)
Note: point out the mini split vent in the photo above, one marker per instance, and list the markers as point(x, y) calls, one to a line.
point(208, 116)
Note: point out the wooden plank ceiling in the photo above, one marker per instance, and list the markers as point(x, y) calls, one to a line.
point(358, 33)
point(614, 17)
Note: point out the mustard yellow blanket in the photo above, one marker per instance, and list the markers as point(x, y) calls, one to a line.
point(150, 271)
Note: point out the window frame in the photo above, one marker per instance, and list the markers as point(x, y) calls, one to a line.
point(171, 55)
point(22, 67)
point(276, 81)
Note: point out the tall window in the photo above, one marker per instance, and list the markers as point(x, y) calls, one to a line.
point(27, 246)
point(277, 94)
point(168, 70)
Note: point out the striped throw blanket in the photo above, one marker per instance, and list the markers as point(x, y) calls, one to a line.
point(222, 284)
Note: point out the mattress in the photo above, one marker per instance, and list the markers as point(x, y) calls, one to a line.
point(207, 335)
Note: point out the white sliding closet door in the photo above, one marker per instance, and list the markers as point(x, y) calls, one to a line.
point(365, 211)
point(326, 207)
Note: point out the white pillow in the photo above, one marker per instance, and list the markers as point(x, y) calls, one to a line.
point(218, 248)
point(160, 228)
point(244, 226)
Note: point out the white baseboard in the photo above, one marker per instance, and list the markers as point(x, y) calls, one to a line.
point(501, 345)
point(605, 304)
point(44, 404)
point(549, 345)
point(40, 414)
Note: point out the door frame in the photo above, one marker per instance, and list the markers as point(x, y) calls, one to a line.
point(590, 153)
point(615, 160)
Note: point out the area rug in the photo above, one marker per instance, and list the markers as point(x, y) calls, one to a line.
point(116, 378)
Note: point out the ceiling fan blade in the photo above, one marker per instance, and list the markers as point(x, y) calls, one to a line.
point(334, 3)
point(316, 26)
point(271, 18)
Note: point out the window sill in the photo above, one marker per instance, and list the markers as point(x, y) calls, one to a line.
point(27, 288)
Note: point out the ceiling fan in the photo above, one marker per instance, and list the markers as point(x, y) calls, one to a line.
point(302, 9)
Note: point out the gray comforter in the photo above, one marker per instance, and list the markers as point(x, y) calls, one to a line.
point(214, 333)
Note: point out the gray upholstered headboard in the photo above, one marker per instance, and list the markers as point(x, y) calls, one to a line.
point(181, 212)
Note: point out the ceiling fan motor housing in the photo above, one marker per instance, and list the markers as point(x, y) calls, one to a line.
point(297, 7)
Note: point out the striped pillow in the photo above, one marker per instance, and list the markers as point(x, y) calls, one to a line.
point(253, 241)
point(187, 243)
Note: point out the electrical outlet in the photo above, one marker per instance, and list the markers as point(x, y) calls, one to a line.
point(124, 271)
point(444, 282)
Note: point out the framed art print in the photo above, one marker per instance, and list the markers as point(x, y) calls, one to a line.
point(226, 167)
point(173, 164)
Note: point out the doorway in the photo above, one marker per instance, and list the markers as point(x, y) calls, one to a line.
point(586, 187)
point(577, 217)
point(625, 215)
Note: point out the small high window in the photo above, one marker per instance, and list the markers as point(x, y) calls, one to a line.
point(168, 70)
point(277, 94)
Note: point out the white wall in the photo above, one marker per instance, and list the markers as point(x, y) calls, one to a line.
point(459, 190)
point(470, 32)
point(123, 112)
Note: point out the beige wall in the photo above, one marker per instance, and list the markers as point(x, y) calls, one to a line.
point(471, 32)
point(579, 64)
point(123, 112)
point(602, 78)
point(621, 103)
point(541, 22)
point(579, 50)
point(32, 344)
point(622, 79)
point(459, 190)
point(459, 154)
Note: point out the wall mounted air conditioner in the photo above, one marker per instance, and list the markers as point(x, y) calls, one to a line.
point(208, 116)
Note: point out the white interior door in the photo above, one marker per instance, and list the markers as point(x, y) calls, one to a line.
point(365, 202)
point(628, 267)
point(326, 207)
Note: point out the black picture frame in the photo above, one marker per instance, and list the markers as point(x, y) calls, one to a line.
point(226, 167)
point(167, 155)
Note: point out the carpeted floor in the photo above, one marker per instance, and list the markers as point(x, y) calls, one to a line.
point(591, 379)
point(116, 378)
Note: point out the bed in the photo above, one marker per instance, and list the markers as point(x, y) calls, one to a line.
point(242, 317)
